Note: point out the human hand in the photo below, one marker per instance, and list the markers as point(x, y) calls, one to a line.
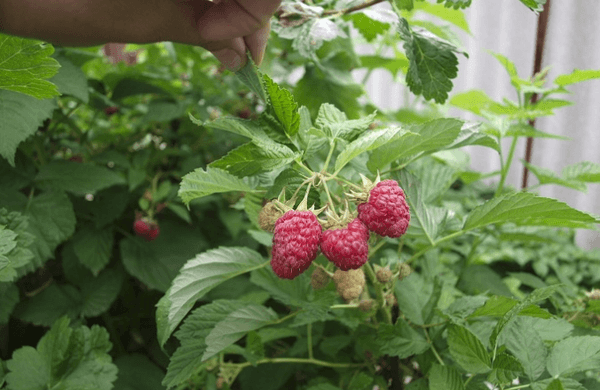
point(230, 28)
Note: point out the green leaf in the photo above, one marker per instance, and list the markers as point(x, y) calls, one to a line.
point(404, 4)
point(13, 244)
point(505, 369)
point(290, 292)
point(525, 344)
point(537, 295)
point(49, 305)
point(51, 220)
point(535, 5)
point(367, 141)
point(235, 326)
point(334, 123)
point(454, 16)
point(576, 76)
point(559, 384)
point(313, 34)
point(200, 275)
point(137, 372)
point(284, 106)
point(251, 76)
point(127, 87)
point(456, 4)
point(525, 130)
point(100, 292)
point(527, 209)
point(400, 340)
point(188, 357)
point(424, 138)
point(250, 159)
point(432, 63)
point(157, 263)
point(319, 86)
point(21, 116)
point(546, 176)
point(94, 247)
point(180, 211)
point(200, 183)
point(574, 354)
point(426, 220)
point(413, 294)
point(70, 80)
point(475, 101)
point(498, 306)
point(445, 378)
point(9, 296)
point(510, 67)
point(585, 171)
point(70, 358)
point(78, 178)
point(479, 278)
point(373, 22)
point(24, 64)
point(467, 350)
point(393, 65)
point(255, 349)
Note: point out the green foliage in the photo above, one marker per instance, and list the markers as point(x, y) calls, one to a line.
point(25, 65)
point(488, 286)
point(65, 357)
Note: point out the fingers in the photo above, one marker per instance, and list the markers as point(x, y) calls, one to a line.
point(257, 42)
point(231, 53)
point(235, 18)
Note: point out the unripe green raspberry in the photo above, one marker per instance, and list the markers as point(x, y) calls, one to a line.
point(384, 275)
point(349, 284)
point(404, 271)
point(268, 216)
point(319, 278)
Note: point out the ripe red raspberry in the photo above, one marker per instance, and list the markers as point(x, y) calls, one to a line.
point(347, 248)
point(295, 243)
point(146, 229)
point(386, 212)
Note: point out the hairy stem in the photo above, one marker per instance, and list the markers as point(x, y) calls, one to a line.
point(352, 9)
point(379, 288)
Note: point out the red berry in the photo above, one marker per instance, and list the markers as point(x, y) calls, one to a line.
point(111, 110)
point(145, 229)
point(386, 212)
point(295, 243)
point(347, 248)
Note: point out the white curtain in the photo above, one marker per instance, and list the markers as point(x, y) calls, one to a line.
point(572, 42)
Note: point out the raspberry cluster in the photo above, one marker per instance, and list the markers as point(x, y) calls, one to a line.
point(146, 229)
point(298, 235)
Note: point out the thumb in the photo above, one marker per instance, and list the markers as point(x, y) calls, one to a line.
point(231, 53)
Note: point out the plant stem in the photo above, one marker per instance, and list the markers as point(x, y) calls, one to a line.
point(376, 248)
point(283, 319)
point(506, 166)
point(345, 306)
point(380, 299)
point(518, 387)
point(352, 9)
point(309, 338)
point(444, 239)
point(298, 360)
point(328, 159)
point(435, 352)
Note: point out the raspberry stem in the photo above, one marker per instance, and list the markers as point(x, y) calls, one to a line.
point(379, 289)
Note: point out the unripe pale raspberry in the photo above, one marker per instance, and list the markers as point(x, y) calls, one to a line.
point(391, 300)
point(349, 284)
point(384, 275)
point(347, 248)
point(366, 305)
point(319, 279)
point(404, 271)
point(295, 243)
point(268, 216)
point(386, 211)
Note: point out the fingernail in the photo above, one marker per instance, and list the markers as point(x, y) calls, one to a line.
point(230, 59)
